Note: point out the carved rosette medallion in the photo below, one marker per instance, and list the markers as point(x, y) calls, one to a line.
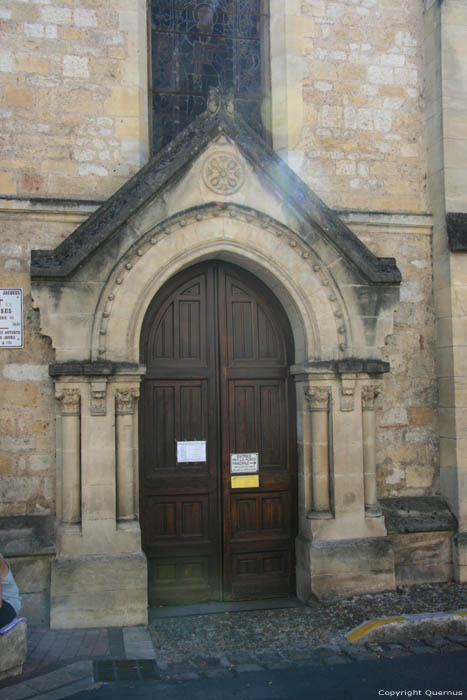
point(69, 400)
point(126, 400)
point(223, 173)
point(317, 398)
point(369, 396)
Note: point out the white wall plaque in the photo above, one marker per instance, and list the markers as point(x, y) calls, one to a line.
point(11, 318)
point(191, 451)
point(244, 463)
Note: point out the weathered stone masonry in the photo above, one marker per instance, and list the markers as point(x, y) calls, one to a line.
point(367, 106)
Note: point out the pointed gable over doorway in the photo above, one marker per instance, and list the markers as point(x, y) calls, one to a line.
point(173, 162)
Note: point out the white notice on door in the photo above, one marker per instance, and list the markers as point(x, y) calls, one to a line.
point(244, 463)
point(191, 451)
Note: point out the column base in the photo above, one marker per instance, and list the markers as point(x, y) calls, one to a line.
point(460, 557)
point(373, 511)
point(99, 591)
point(339, 568)
point(320, 515)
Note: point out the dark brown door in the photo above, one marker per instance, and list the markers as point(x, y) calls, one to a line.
point(217, 346)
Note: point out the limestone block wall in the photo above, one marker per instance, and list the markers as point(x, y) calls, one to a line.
point(27, 404)
point(406, 414)
point(347, 103)
point(445, 51)
point(347, 115)
point(73, 94)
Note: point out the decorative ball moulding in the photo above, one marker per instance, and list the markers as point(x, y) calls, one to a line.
point(224, 172)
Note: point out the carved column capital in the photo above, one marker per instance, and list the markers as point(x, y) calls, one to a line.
point(317, 398)
point(369, 396)
point(69, 400)
point(98, 396)
point(347, 393)
point(126, 400)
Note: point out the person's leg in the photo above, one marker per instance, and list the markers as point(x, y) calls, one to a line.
point(7, 613)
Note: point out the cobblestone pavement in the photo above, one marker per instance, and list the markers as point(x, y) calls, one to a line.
point(286, 636)
point(62, 662)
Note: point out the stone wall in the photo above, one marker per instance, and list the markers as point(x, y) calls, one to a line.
point(353, 78)
point(73, 78)
point(73, 93)
point(408, 450)
point(27, 406)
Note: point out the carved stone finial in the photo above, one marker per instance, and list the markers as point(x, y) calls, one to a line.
point(228, 101)
point(218, 98)
point(369, 395)
point(317, 398)
point(126, 400)
point(69, 400)
point(214, 100)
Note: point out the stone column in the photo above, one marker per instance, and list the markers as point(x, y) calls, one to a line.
point(125, 410)
point(71, 463)
point(369, 394)
point(318, 405)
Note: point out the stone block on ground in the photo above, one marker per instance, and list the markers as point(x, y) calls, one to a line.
point(13, 647)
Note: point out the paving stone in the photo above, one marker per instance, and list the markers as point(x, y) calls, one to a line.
point(65, 691)
point(336, 659)
point(418, 646)
point(458, 639)
point(393, 651)
point(359, 653)
point(217, 673)
point(16, 692)
point(443, 644)
point(185, 676)
point(247, 668)
point(280, 665)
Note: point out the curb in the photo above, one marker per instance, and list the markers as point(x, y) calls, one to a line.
point(389, 629)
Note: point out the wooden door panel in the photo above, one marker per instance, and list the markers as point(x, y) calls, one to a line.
point(252, 336)
point(217, 347)
point(173, 410)
point(258, 536)
point(175, 519)
point(177, 333)
point(180, 579)
point(259, 515)
point(179, 501)
point(265, 574)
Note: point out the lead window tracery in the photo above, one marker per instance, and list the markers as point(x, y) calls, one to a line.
point(196, 45)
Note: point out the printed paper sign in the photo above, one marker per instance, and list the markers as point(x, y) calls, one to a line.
point(244, 463)
point(11, 318)
point(191, 451)
point(250, 481)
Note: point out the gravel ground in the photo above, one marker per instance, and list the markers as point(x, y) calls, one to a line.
point(290, 631)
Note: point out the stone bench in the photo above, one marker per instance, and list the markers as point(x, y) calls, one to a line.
point(13, 647)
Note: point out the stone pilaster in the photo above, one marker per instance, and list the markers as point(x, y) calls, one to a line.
point(69, 399)
point(369, 395)
point(318, 405)
point(125, 400)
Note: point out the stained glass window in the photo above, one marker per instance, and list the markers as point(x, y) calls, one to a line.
point(199, 44)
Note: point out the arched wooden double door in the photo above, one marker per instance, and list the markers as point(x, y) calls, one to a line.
point(217, 346)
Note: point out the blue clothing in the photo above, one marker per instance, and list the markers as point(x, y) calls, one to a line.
point(10, 592)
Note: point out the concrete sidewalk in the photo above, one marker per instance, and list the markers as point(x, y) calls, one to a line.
point(61, 663)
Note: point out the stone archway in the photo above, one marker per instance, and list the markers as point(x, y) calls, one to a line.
point(93, 292)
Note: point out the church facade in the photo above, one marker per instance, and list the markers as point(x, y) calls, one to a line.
point(239, 229)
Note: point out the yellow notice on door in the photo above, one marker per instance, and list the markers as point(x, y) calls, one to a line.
point(250, 481)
